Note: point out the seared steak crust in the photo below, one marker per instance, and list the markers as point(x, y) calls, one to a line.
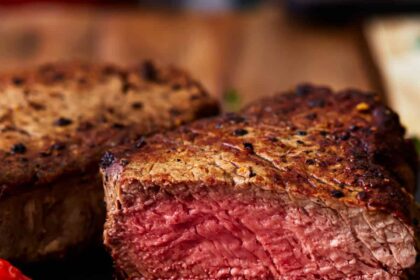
point(56, 121)
point(309, 148)
point(59, 118)
point(346, 146)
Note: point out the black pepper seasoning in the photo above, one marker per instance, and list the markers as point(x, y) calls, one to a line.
point(18, 148)
point(107, 160)
point(240, 132)
point(249, 147)
point(301, 133)
point(140, 142)
point(137, 105)
point(63, 122)
point(337, 194)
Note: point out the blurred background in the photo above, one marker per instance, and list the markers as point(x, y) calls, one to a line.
point(239, 49)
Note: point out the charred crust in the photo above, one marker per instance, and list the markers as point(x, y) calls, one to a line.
point(316, 140)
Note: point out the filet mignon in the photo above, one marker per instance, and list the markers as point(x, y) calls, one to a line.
point(304, 185)
point(56, 121)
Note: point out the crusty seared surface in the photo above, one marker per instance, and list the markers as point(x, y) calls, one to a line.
point(65, 115)
point(342, 151)
point(55, 122)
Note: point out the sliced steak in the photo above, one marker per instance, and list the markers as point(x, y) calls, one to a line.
point(305, 185)
point(56, 121)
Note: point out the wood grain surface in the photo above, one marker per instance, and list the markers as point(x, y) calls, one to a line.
point(257, 52)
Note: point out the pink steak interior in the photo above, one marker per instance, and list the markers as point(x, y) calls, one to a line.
point(259, 236)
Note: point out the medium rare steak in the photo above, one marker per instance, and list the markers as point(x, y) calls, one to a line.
point(56, 121)
point(305, 185)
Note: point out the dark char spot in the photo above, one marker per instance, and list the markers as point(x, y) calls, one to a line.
point(148, 71)
point(137, 105)
point(124, 161)
point(310, 161)
point(234, 118)
point(337, 194)
point(362, 196)
point(58, 146)
point(301, 133)
point(107, 160)
point(354, 128)
point(140, 142)
point(252, 173)
point(303, 90)
point(174, 112)
point(17, 81)
point(18, 148)
point(311, 116)
point(249, 147)
point(345, 136)
point(118, 126)
point(316, 103)
point(240, 132)
point(63, 122)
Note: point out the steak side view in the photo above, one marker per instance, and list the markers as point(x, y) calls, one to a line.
point(56, 121)
point(309, 184)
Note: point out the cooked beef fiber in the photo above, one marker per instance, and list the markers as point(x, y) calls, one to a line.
point(56, 121)
point(304, 185)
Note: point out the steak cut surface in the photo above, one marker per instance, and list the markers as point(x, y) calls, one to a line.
point(56, 121)
point(309, 184)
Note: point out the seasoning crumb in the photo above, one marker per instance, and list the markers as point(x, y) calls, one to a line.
point(362, 107)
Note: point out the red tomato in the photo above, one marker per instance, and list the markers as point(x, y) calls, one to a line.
point(9, 272)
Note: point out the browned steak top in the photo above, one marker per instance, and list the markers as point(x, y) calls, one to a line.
point(58, 119)
point(345, 146)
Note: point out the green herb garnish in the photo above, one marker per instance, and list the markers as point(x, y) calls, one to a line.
point(416, 142)
point(231, 100)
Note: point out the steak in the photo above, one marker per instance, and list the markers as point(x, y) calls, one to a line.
point(56, 121)
point(308, 184)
